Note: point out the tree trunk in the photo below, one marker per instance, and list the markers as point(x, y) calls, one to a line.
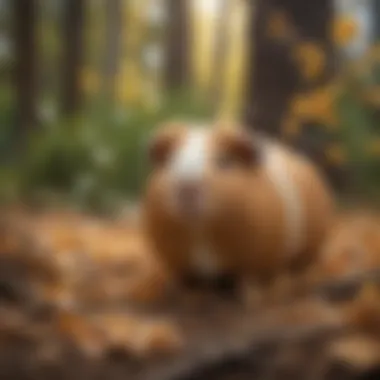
point(176, 73)
point(220, 50)
point(113, 44)
point(376, 18)
point(273, 78)
point(73, 20)
point(25, 77)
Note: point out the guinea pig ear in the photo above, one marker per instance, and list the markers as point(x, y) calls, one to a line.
point(162, 143)
point(245, 148)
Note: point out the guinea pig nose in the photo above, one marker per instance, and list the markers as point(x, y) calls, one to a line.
point(189, 191)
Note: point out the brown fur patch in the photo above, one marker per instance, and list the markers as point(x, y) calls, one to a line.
point(246, 230)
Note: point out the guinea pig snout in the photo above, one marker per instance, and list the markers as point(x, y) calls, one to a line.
point(189, 192)
point(189, 196)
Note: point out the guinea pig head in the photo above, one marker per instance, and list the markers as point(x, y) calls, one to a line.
point(197, 170)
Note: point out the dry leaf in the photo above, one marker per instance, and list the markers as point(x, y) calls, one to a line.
point(351, 247)
point(358, 351)
point(161, 338)
point(310, 59)
point(138, 336)
point(344, 30)
point(364, 312)
point(82, 332)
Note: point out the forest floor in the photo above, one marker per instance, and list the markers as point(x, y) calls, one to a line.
point(48, 331)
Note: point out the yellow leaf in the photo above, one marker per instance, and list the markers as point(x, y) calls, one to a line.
point(300, 106)
point(344, 30)
point(360, 351)
point(310, 59)
point(316, 106)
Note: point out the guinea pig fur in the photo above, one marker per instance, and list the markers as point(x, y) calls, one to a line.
point(220, 200)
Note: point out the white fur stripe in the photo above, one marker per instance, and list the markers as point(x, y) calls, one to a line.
point(278, 173)
point(190, 161)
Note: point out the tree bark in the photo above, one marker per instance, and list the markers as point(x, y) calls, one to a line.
point(176, 73)
point(72, 28)
point(220, 50)
point(25, 70)
point(273, 78)
point(376, 17)
point(113, 44)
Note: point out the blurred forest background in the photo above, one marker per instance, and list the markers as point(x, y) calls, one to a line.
point(82, 82)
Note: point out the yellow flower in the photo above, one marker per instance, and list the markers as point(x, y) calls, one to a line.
point(335, 154)
point(310, 58)
point(344, 30)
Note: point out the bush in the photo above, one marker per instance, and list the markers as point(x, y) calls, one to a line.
point(6, 112)
point(95, 160)
point(358, 109)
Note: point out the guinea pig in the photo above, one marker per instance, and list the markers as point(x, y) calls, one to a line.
point(224, 202)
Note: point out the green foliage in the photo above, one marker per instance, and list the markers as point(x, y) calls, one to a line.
point(96, 160)
point(6, 118)
point(360, 128)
